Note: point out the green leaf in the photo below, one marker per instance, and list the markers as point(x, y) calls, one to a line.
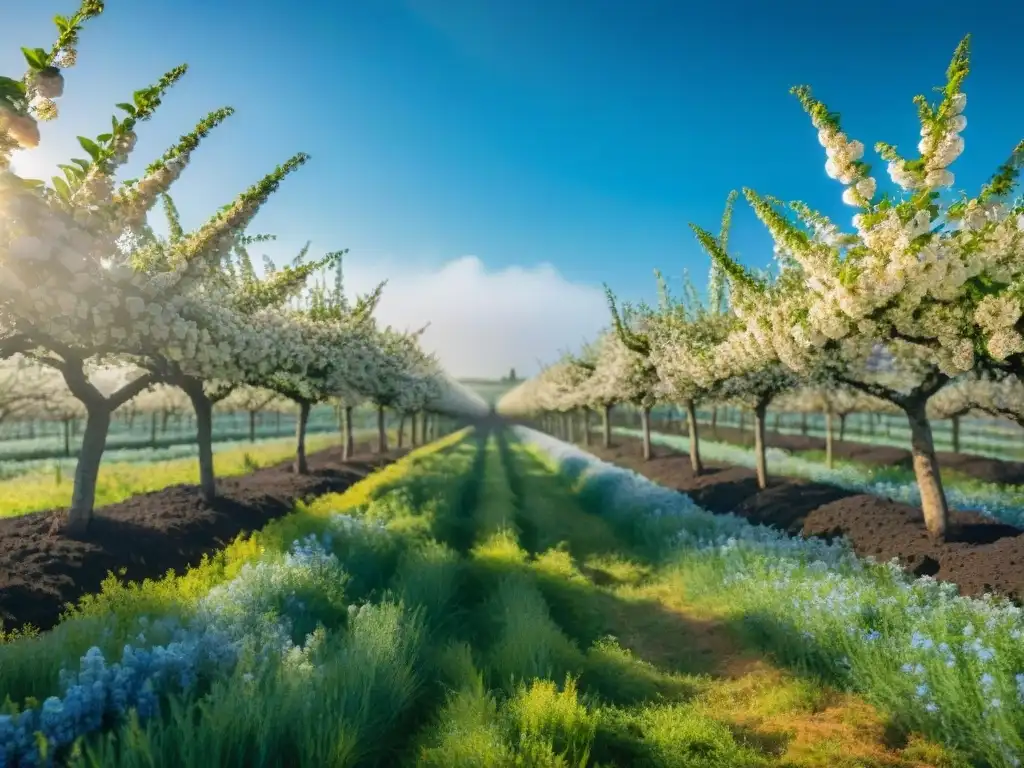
point(63, 190)
point(83, 164)
point(91, 147)
point(105, 137)
point(37, 58)
point(11, 89)
point(129, 108)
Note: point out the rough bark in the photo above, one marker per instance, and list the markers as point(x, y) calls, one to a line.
point(759, 446)
point(829, 453)
point(926, 470)
point(203, 407)
point(99, 410)
point(645, 426)
point(922, 444)
point(382, 433)
point(349, 443)
point(87, 471)
point(301, 466)
point(691, 425)
point(606, 426)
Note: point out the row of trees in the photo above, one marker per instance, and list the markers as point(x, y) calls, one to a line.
point(933, 282)
point(89, 290)
point(31, 394)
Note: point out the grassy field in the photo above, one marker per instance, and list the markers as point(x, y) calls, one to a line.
point(147, 438)
point(999, 501)
point(122, 480)
point(465, 606)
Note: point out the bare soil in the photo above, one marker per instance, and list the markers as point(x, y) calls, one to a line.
point(982, 468)
point(147, 535)
point(981, 555)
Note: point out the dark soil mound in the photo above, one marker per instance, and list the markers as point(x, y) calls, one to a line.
point(981, 555)
point(979, 467)
point(147, 535)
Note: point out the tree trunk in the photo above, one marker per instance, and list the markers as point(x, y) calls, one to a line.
point(926, 470)
point(828, 440)
point(277, 425)
point(606, 425)
point(714, 421)
point(203, 407)
point(842, 426)
point(349, 445)
point(743, 425)
point(152, 430)
point(252, 426)
point(99, 410)
point(803, 424)
point(645, 426)
point(382, 433)
point(691, 423)
point(586, 427)
point(776, 427)
point(401, 432)
point(570, 426)
point(301, 465)
point(67, 437)
point(87, 471)
point(956, 434)
point(413, 438)
point(759, 446)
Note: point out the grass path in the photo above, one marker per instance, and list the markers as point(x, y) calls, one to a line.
point(599, 587)
point(468, 611)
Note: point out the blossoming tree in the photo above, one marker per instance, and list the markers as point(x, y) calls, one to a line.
point(938, 272)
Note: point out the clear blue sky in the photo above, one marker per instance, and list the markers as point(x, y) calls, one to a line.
point(582, 133)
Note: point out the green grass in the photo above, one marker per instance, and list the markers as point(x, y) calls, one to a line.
point(951, 478)
point(119, 481)
point(495, 622)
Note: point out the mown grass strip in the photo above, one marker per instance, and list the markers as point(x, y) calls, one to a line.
point(679, 675)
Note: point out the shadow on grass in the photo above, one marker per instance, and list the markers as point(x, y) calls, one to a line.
point(528, 536)
point(456, 528)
